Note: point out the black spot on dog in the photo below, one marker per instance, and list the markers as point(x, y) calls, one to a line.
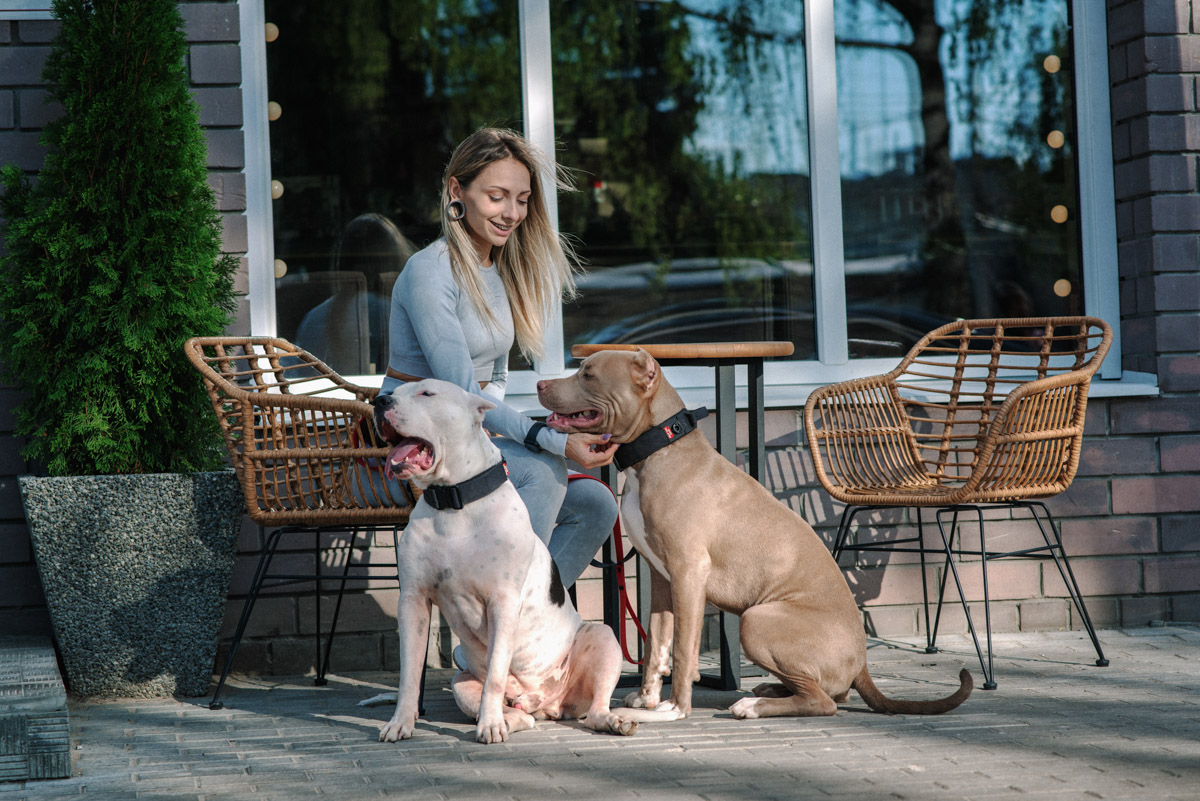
point(558, 595)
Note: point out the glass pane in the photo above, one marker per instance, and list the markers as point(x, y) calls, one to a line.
point(686, 126)
point(374, 95)
point(958, 166)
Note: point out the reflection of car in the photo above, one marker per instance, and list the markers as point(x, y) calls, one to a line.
point(874, 330)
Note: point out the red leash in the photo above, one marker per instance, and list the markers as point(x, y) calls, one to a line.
point(627, 610)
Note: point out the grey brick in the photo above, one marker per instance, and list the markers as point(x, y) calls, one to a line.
point(216, 64)
point(1153, 93)
point(1119, 455)
point(5, 32)
point(1177, 332)
point(226, 148)
point(234, 237)
point(1175, 213)
point(1179, 373)
point(1166, 54)
point(1181, 454)
point(211, 22)
point(37, 31)
point(1181, 533)
point(22, 148)
point(1120, 59)
point(1164, 133)
point(1165, 16)
point(1121, 144)
point(1175, 252)
point(37, 109)
point(1124, 24)
point(22, 66)
point(1156, 173)
point(1155, 416)
point(219, 106)
point(229, 188)
point(7, 105)
point(1177, 292)
point(20, 586)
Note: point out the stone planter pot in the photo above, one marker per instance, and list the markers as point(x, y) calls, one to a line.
point(136, 570)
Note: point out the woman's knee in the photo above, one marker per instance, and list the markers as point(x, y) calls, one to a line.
point(591, 503)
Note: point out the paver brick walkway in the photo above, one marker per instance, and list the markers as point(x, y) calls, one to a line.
point(1056, 728)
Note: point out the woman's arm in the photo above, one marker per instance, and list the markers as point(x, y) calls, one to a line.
point(431, 306)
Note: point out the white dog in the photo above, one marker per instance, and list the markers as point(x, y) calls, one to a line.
point(469, 548)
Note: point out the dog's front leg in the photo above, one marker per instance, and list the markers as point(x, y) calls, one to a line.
point(494, 724)
point(657, 660)
point(688, 586)
point(413, 612)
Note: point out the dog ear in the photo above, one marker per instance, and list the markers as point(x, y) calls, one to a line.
point(645, 371)
point(482, 406)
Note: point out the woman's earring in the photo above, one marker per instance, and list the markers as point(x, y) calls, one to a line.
point(456, 210)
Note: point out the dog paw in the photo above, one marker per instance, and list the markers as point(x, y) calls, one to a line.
point(635, 700)
point(490, 732)
point(675, 712)
point(621, 726)
point(395, 730)
point(379, 700)
point(745, 709)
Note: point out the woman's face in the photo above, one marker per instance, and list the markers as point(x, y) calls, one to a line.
point(496, 202)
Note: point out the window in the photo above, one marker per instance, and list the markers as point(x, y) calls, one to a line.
point(844, 175)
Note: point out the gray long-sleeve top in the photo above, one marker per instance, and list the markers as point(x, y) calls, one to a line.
point(435, 332)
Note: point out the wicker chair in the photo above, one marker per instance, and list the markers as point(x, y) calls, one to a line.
point(299, 438)
point(981, 414)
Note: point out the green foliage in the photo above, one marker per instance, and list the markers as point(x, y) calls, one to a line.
point(114, 254)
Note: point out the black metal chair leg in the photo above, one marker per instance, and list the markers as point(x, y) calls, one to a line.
point(843, 533)
point(323, 667)
point(984, 664)
point(264, 562)
point(990, 675)
point(946, 573)
point(930, 648)
point(1068, 575)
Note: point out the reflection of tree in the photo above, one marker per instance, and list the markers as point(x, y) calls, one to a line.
point(1005, 174)
point(389, 86)
point(943, 249)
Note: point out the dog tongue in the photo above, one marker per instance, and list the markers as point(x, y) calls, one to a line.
point(404, 450)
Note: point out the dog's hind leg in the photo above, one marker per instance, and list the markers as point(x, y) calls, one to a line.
point(595, 668)
point(772, 639)
point(468, 694)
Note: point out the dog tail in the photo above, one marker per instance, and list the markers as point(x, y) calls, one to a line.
point(879, 702)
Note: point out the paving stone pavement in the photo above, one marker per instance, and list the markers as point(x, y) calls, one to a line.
point(1057, 727)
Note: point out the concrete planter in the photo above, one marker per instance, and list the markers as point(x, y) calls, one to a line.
point(135, 569)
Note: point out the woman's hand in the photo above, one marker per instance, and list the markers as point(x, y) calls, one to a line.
point(590, 450)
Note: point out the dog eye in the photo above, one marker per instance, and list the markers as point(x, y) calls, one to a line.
point(425, 393)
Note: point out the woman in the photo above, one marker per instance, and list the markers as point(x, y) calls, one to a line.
point(497, 273)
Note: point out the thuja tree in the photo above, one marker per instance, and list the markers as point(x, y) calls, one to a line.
point(114, 253)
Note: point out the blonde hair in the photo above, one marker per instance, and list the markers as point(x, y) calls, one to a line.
point(536, 265)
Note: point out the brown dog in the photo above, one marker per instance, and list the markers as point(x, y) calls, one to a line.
point(712, 533)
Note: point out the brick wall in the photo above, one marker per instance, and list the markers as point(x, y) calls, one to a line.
point(213, 34)
point(1131, 521)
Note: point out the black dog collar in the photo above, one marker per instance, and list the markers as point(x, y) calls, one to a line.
point(456, 496)
point(658, 437)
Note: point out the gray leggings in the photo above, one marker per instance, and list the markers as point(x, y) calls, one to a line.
point(573, 518)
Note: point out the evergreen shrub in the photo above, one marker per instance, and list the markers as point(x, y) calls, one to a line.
point(113, 256)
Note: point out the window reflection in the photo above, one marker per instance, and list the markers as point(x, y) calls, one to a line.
point(687, 126)
point(958, 172)
point(373, 96)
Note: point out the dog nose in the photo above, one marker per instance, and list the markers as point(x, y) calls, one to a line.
point(541, 385)
point(383, 401)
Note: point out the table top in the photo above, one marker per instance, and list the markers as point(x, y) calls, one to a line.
point(699, 350)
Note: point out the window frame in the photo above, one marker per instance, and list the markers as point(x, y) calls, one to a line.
point(1097, 198)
